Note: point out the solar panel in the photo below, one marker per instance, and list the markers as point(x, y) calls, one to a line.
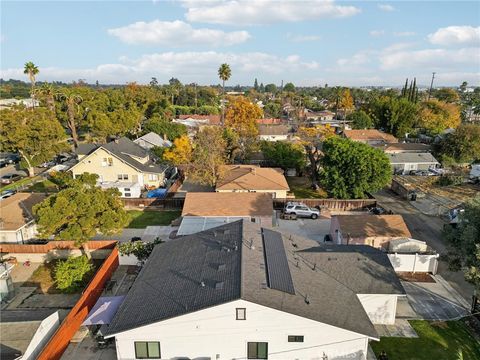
point(278, 273)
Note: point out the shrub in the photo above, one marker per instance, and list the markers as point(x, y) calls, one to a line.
point(140, 249)
point(448, 180)
point(71, 273)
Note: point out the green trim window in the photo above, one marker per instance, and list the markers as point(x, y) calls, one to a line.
point(147, 350)
point(295, 338)
point(257, 350)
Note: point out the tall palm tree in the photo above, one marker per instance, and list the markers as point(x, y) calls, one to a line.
point(31, 70)
point(224, 74)
point(47, 91)
point(72, 102)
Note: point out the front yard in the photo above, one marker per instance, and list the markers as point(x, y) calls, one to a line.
point(141, 219)
point(301, 188)
point(437, 340)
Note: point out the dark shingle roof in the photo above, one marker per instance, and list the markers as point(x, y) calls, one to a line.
point(86, 149)
point(182, 276)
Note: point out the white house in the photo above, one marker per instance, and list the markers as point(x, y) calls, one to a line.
point(240, 291)
point(273, 132)
point(403, 163)
point(17, 224)
point(151, 140)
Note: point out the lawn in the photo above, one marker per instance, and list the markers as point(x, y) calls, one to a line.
point(141, 219)
point(301, 188)
point(19, 183)
point(45, 186)
point(437, 340)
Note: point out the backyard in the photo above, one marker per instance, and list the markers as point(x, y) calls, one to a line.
point(141, 219)
point(301, 188)
point(437, 340)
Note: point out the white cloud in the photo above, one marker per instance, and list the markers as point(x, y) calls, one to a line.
point(303, 38)
point(176, 33)
point(404, 33)
point(386, 7)
point(432, 59)
point(453, 35)
point(200, 67)
point(376, 33)
point(241, 12)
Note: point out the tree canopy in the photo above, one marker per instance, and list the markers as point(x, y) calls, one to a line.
point(181, 151)
point(80, 210)
point(164, 127)
point(284, 154)
point(462, 146)
point(360, 120)
point(36, 135)
point(397, 116)
point(437, 116)
point(352, 169)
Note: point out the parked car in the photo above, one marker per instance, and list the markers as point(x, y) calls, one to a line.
point(63, 158)
point(10, 178)
point(47, 164)
point(301, 210)
point(8, 158)
point(6, 194)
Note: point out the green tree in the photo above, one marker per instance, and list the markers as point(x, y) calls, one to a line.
point(289, 87)
point(166, 128)
point(80, 211)
point(47, 93)
point(284, 154)
point(271, 88)
point(447, 95)
point(141, 250)
point(396, 116)
point(224, 73)
point(352, 169)
point(464, 243)
point(70, 274)
point(273, 109)
point(36, 135)
point(209, 156)
point(462, 146)
point(255, 84)
point(437, 116)
point(71, 101)
point(360, 120)
point(31, 70)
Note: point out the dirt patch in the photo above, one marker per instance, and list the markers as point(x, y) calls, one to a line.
point(415, 277)
point(43, 277)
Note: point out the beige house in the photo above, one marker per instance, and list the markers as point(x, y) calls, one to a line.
point(373, 230)
point(124, 165)
point(17, 224)
point(251, 178)
point(205, 210)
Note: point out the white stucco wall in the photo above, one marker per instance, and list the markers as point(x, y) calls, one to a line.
point(380, 308)
point(26, 232)
point(43, 334)
point(214, 333)
point(414, 262)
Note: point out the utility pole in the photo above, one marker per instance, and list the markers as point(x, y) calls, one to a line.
point(431, 85)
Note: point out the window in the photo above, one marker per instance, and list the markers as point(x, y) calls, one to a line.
point(122, 176)
point(128, 194)
point(107, 162)
point(110, 161)
point(295, 338)
point(147, 350)
point(152, 177)
point(257, 350)
point(241, 314)
point(126, 189)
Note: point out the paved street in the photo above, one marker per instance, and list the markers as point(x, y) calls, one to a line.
point(426, 228)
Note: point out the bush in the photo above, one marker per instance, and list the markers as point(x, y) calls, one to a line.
point(448, 180)
point(140, 249)
point(71, 273)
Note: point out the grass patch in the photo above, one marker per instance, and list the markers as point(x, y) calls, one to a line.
point(45, 186)
point(141, 219)
point(22, 182)
point(301, 188)
point(437, 340)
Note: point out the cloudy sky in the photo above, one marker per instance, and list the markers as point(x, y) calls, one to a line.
point(310, 42)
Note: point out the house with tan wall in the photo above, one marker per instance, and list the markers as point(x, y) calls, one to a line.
point(251, 178)
point(124, 165)
point(373, 230)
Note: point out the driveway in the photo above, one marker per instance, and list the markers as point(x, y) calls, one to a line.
point(435, 301)
point(307, 228)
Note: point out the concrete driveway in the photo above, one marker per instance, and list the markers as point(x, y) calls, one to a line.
point(435, 301)
point(308, 228)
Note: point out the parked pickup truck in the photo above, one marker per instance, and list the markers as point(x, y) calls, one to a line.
point(301, 210)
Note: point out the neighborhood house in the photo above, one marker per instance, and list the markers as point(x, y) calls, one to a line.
point(273, 132)
point(17, 224)
point(373, 230)
point(370, 136)
point(202, 211)
point(151, 140)
point(251, 178)
point(240, 291)
point(403, 163)
point(124, 165)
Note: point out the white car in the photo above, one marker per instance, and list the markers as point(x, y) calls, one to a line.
point(301, 210)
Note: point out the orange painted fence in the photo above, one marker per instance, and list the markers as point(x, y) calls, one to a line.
point(54, 245)
point(60, 340)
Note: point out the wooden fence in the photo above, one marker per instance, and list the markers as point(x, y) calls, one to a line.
point(154, 203)
point(330, 204)
point(54, 245)
point(70, 325)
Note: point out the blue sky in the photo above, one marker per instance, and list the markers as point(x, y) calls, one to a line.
point(309, 42)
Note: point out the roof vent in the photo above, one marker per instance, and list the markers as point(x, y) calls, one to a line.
point(202, 284)
point(221, 267)
point(307, 301)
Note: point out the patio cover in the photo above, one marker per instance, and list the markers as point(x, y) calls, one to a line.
point(104, 310)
